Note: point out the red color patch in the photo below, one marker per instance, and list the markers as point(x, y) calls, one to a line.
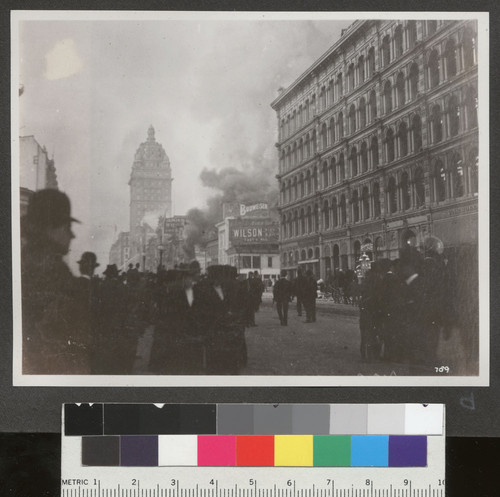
point(255, 450)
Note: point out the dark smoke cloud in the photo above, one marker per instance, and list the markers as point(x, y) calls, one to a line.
point(254, 184)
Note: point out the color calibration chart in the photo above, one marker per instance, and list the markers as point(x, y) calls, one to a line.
point(253, 450)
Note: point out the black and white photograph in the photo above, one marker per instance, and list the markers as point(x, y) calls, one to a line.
point(203, 198)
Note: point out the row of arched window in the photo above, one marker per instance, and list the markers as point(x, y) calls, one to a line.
point(451, 177)
point(460, 114)
point(442, 63)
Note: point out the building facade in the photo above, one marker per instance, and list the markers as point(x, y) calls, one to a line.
point(248, 239)
point(36, 170)
point(378, 145)
point(150, 182)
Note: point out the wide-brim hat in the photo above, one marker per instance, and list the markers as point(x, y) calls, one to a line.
point(89, 258)
point(111, 270)
point(49, 208)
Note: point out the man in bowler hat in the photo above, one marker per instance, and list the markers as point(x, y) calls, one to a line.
point(53, 341)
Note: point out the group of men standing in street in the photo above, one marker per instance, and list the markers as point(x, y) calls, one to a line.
point(303, 288)
point(89, 325)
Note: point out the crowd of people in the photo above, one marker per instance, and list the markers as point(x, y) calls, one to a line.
point(88, 324)
point(91, 325)
point(405, 304)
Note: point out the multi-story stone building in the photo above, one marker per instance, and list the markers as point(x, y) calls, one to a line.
point(378, 145)
point(150, 185)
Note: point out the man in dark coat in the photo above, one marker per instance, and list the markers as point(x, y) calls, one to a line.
point(54, 342)
point(282, 294)
point(298, 290)
point(310, 294)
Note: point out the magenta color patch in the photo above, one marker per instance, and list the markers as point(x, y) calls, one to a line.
point(216, 450)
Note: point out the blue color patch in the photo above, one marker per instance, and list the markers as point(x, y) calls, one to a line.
point(370, 450)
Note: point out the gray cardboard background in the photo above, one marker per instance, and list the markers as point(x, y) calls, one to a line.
point(471, 412)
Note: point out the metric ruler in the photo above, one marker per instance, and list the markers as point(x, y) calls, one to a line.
point(91, 466)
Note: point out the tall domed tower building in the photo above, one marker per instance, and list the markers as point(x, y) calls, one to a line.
point(150, 182)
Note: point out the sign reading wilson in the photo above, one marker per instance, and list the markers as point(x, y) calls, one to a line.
point(253, 231)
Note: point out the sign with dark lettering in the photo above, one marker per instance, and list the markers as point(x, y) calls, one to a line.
point(253, 231)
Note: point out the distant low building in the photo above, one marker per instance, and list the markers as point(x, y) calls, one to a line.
point(36, 170)
point(248, 239)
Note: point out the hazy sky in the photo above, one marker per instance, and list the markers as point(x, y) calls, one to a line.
point(92, 88)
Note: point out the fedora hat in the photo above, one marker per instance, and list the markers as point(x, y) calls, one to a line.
point(111, 271)
point(49, 208)
point(89, 258)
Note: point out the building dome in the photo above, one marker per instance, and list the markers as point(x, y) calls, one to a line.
point(151, 151)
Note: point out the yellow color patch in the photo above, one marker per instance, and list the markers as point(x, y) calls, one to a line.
point(293, 450)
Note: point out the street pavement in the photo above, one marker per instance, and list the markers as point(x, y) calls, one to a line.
point(328, 347)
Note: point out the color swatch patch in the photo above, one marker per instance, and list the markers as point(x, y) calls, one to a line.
point(260, 435)
point(256, 450)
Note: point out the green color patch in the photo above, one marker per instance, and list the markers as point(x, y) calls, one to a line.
point(332, 450)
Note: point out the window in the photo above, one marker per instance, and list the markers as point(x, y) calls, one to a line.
point(270, 262)
point(451, 59)
point(411, 29)
point(376, 200)
point(398, 40)
point(362, 113)
point(373, 106)
point(440, 181)
point(388, 97)
point(457, 176)
point(473, 171)
point(419, 187)
point(354, 162)
point(469, 49)
point(313, 139)
point(433, 68)
point(436, 124)
point(364, 157)
point(332, 131)
point(471, 108)
point(341, 168)
point(340, 86)
point(343, 210)
point(386, 51)
point(431, 27)
point(350, 77)
point(301, 151)
point(302, 222)
point(308, 183)
point(389, 143)
point(340, 123)
point(333, 169)
point(352, 119)
point(246, 261)
point(405, 191)
point(453, 116)
point(400, 89)
point(324, 137)
point(302, 186)
point(371, 62)
point(325, 174)
point(256, 261)
point(309, 226)
point(403, 140)
point(335, 220)
point(374, 149)
point(392, 195)
point(326, 215)
point(361, 69)
point(355, 206)
point(365, 199)
point(413, 80)
point(417, 134)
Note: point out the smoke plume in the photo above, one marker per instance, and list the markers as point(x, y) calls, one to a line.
point(252, 185)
